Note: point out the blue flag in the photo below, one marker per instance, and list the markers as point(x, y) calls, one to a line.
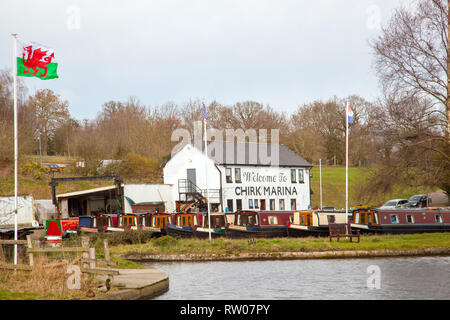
point(205, 114)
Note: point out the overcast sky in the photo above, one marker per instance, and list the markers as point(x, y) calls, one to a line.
point(283, 53)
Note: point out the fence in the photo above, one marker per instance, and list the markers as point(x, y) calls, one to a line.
point(88, 256)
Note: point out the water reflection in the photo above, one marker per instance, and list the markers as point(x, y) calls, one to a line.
point(401, 278)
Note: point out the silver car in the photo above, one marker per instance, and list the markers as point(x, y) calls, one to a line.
point(395, 204)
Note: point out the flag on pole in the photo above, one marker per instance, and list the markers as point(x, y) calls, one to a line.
point(350, 115)
point(205, 114)
point(35, 60)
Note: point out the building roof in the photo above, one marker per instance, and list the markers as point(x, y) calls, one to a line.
point(252, 154)
point(84, 192)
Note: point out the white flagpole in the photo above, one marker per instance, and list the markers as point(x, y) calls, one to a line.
point(346, 161)
point(320, 161)
point(206, 177)
point(15, 142)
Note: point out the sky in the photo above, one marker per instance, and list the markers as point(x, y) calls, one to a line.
point(283, 53)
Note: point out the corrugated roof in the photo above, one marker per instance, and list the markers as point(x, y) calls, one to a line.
point(77, 193)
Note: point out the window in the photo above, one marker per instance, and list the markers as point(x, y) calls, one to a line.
point(281, 204)
point(402, 202)
point(256, 204)
point(238, 204)
point(273, 220)
point(250, 220)
point(293, 204)
point(293, 177)
point(331, 219)
point(394, 218)
point(438, 218)
point(410, 218)
point(237, 175)
point(357, 217)
point(229, 178)
point(300, 176)
point(250, 203)
point(363, 218)
point(230, 205)
point(302, 220)
point(272, 204)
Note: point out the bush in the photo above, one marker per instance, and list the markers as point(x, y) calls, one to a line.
point(165, 241)
point(120, 238)
point(34, 169)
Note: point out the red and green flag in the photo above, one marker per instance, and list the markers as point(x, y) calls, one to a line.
point(36, 60)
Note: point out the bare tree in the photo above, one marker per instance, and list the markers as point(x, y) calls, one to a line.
point(411, 54)
point(50, 113)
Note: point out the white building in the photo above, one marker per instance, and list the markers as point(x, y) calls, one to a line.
point(245, 176)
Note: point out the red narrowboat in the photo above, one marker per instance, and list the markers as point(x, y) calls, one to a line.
point(259, 224)
point(126, 222)
point(404, 220)
point(218, 226)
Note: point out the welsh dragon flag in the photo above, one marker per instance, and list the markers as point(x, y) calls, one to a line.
point(35, 60)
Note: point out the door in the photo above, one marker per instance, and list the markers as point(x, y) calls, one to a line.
point(263, 204)
point(192, 177)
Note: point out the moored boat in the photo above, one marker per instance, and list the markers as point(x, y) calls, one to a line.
point(314, 222)
point(157, 223)
point(404, 220)
point(125, 222)
point(86, 224)
point(259, 224)
point(218, 226)
point(182, 224)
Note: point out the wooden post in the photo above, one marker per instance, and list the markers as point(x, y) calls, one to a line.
point(85, 244)
point(92, 263)
point(2, 255)
point(107, 255)
point(30, 254)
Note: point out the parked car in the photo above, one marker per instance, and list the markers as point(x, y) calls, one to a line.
point(395, 203)
point(419, 201)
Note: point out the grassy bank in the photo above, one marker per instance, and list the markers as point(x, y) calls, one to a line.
point(167, 245)
point(333, 187)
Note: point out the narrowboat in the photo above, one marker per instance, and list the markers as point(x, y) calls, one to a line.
point(314, 222)
point(86, 224)
point(183, 224)
point(104, 221)
point(157, 223)
point(142, 219)
point(57, 229)
point(404, 220)
point(128, 220)
point(98, 223)
point(259, 224)
point(218, 226)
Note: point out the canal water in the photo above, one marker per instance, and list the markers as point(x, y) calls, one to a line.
point(370, 279)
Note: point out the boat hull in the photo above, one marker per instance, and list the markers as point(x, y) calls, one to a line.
point(400, 229)
point(200, 232)
point(296, 231)
point(256, 232)
point(179, 231)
